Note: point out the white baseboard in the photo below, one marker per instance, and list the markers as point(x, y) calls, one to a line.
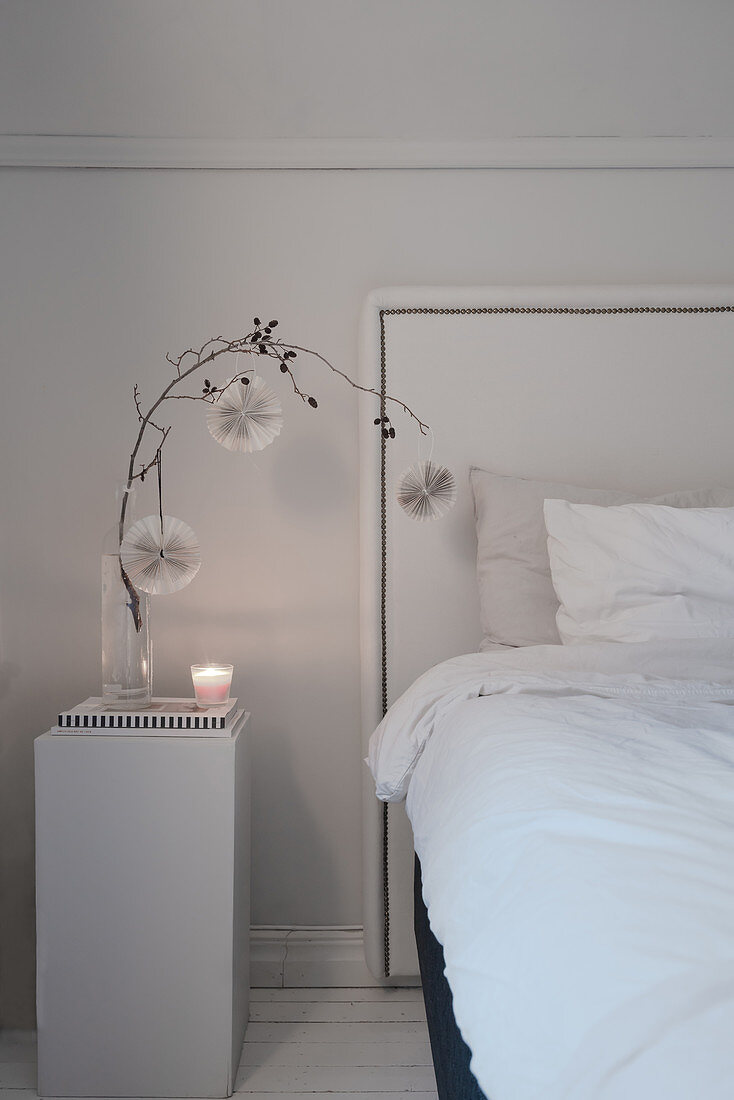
point(303, 957)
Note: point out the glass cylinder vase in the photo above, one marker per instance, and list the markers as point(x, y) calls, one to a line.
point(126, 645)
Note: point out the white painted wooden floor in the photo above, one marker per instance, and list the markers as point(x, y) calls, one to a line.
point(344, 1044)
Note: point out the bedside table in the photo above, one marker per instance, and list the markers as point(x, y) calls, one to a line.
point(143, 913)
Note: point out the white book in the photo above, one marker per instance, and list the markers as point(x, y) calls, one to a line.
point(164, 716)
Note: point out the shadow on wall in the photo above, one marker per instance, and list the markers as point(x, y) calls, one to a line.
point(17, 884)
point(8, 673)
point(292, 861)
point(298, 864)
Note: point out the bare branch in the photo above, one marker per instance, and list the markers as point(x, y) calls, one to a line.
point(154, 460)
point(258, 342)
point(298, 392)
point(363, 389)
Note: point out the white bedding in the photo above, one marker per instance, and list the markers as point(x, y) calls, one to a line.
point(573, 811)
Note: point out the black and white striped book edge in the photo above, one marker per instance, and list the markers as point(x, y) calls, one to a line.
point(141, 731)
point(172, 716)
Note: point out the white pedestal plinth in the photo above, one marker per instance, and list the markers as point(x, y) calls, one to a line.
point(143, 913)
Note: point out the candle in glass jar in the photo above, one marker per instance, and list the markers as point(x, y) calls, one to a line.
point(211, 683)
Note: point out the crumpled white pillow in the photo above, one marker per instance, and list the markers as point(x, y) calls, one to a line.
point(641, 572)
point(516, 599)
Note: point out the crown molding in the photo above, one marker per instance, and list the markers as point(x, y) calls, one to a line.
point(88, 151)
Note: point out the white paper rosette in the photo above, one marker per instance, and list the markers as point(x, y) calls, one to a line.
point(160, 561)
point(426, 491)
point(246, 418)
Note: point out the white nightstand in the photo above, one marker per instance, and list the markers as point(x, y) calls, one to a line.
point(143, 913)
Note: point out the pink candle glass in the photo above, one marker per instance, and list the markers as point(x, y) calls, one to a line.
point(211, 684)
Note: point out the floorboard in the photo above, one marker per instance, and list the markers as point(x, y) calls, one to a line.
point(335, 1032)
point(337, 1012)
point(368, 993)
point(336, 1095)
point(284, 1079)
point(408, 1052)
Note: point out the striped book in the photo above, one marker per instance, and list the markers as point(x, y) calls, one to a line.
point(165, 716)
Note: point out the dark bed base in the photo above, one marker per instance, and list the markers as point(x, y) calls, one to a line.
point(451, 1055)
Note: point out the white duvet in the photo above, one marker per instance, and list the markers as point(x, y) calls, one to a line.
point(573, 811)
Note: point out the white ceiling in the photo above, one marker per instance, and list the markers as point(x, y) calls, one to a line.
point(419, 69)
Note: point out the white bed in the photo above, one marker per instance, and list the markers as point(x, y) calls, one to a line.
point(625, 388)
point(576, 836)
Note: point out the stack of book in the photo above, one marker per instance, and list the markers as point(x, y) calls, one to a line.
point(161, 718)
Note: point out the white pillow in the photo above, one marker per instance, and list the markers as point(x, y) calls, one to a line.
point(641, 572)
point(516, 598)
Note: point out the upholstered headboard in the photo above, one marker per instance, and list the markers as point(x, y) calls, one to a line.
point(615, 387)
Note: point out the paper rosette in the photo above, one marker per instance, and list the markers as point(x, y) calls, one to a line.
point(426, 491)
point(246, 418)
point(160, 561)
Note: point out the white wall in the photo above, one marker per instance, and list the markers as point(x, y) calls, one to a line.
point(103, 272)
point(366, 68)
